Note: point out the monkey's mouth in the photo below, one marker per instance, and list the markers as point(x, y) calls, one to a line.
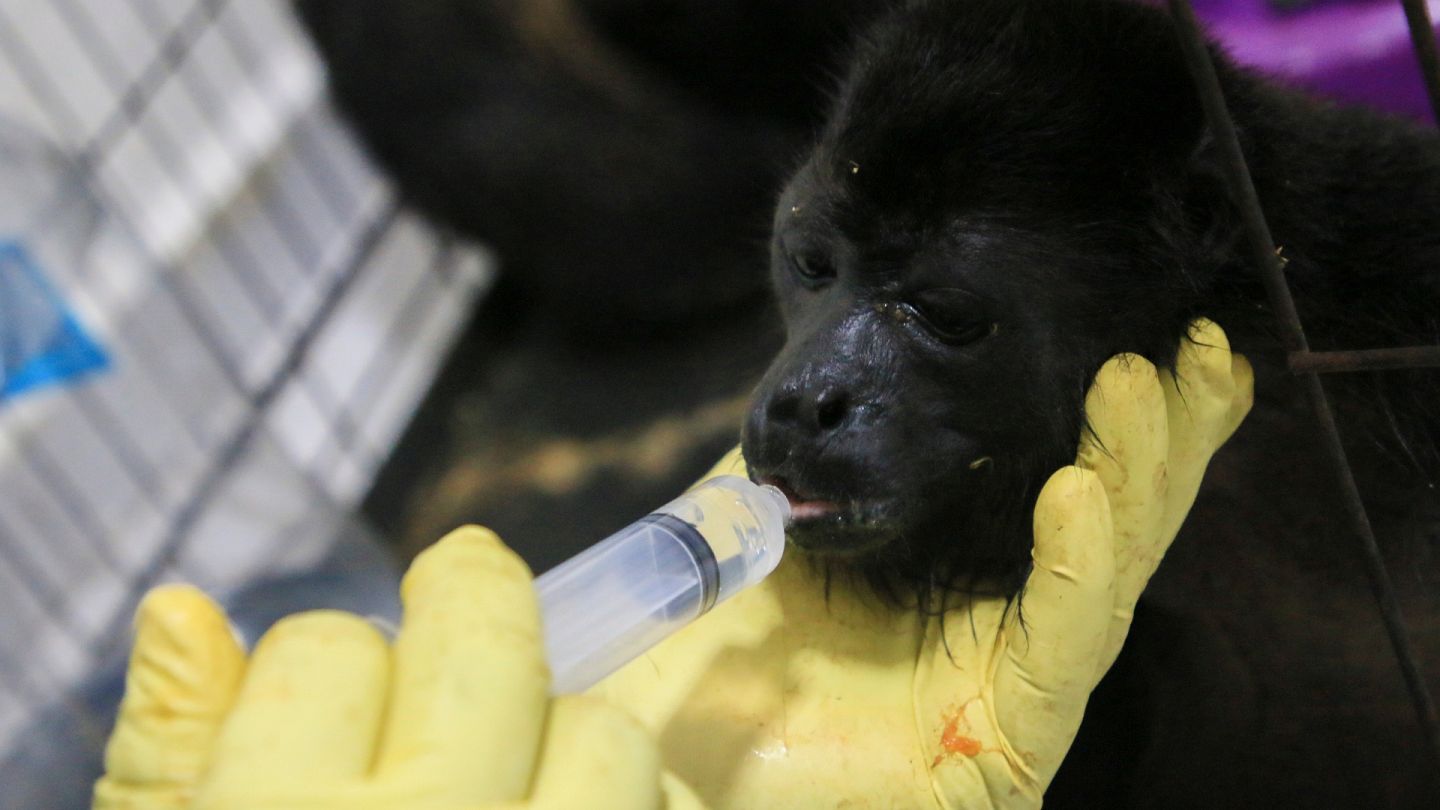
point(833, 526)
point(803, 508)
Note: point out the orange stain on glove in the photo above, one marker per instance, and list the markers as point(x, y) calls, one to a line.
point(953, 741)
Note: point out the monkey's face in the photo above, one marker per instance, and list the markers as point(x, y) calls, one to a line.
point(924, 388)
point(983, 222)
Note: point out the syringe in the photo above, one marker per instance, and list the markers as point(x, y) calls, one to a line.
point(612, 602)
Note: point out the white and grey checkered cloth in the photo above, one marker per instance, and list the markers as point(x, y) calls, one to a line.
point(271, 318)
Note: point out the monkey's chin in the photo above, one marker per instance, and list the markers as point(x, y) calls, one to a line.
point(840, 534)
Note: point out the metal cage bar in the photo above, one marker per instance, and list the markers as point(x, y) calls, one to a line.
point(1365, 360)
point(1261, 247)
point(1422, 36)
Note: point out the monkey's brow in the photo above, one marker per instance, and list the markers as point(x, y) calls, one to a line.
point(892, 253)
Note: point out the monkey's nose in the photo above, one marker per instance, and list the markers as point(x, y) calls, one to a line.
point(815, 412)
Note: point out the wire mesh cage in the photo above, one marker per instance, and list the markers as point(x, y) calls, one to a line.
point(215, 320)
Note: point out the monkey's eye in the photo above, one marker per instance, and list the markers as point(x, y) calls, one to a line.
point(954, 316)
point(813, 269)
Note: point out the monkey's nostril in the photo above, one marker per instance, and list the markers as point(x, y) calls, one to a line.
point(830, 409)
point(783, 407)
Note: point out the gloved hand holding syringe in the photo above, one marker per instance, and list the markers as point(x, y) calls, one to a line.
point(612, 602)
point(453, 710)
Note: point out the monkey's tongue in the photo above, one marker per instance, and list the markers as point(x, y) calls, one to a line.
point(802, 508)
point(812, 510)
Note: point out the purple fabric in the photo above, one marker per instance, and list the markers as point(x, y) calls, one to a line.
point(1354, 51)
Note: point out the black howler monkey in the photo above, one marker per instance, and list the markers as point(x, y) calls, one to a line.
point(1004, 194)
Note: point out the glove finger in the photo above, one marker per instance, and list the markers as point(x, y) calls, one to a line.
point(678, 795)
point(471, 686)
point(596, 757)
point(1044, 678)
point(1127, 447)
point(1206, 398)
point(184, 672)
point(1244, 376)
point(310, 708)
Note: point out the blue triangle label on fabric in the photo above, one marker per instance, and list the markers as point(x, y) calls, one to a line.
point(42, 344)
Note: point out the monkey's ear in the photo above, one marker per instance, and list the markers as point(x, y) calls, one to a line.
point(1166, 112)
point(1171, 130)
point(1207, 212)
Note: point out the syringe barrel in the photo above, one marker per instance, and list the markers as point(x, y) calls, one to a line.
point(612, 602)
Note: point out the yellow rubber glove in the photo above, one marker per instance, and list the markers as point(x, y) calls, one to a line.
point(789, 696)
point(326, 714)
